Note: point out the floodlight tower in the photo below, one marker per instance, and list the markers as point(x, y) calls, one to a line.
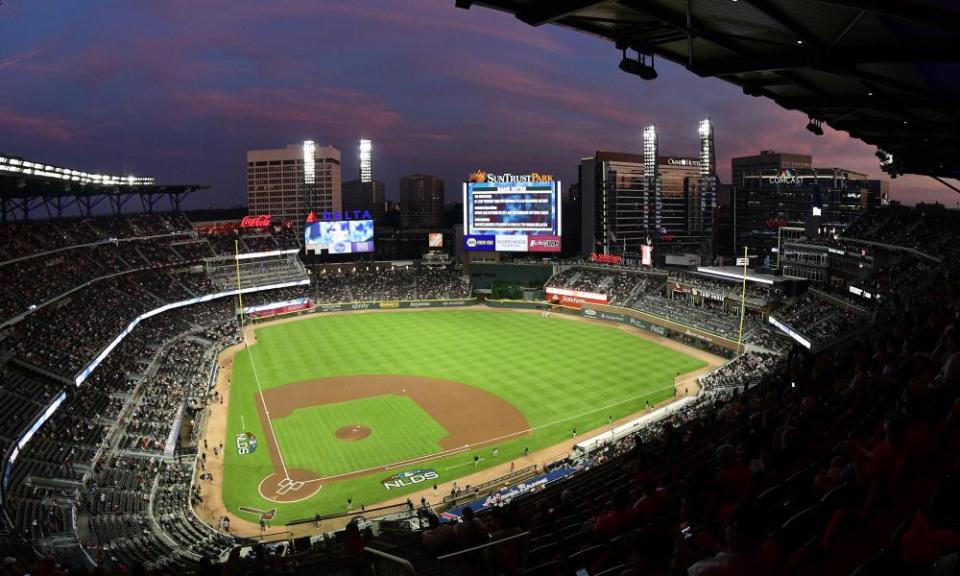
point(651, 180)
point(708, 178)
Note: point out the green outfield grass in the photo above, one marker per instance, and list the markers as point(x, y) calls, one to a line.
point(559, 373)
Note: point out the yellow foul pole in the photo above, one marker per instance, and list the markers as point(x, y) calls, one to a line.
point(236, 260)
point(743, 297)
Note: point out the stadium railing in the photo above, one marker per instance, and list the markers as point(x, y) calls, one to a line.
point(387, 561)
point(496, 484)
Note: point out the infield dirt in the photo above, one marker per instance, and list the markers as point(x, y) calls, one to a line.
point(470, 416)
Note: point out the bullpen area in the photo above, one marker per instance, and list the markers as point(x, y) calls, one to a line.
point(332, 412)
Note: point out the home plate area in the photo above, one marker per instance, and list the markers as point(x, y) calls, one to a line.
point(298, 485)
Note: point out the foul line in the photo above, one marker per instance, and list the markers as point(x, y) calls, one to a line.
point(256, 377)
point(467, 447)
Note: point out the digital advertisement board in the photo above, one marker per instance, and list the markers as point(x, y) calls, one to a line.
point(511, 213)
point(339, 236)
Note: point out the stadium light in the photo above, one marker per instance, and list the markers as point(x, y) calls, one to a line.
point(638, 67)
point(815, 126)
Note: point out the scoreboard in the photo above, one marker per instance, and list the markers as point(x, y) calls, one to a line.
point(512, 216)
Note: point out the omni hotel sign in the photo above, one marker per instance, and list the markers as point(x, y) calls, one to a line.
point(683, 161)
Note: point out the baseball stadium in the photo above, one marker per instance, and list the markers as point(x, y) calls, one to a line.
point(643, 372)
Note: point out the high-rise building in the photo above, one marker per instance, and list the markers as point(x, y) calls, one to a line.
point(774, 190)
point(365, 193)
point(810, 202)
point(359, 195)
point(628, 199)
point(288, 183)
point(421, 201)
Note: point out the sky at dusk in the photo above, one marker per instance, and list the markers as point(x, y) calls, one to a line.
point(180, 89)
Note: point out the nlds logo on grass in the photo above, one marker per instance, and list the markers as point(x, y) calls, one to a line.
point(246, 443)
point(410, 478)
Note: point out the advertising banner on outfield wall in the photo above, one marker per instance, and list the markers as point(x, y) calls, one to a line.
point(574, 298)
point(392, 305)
point(702, 340)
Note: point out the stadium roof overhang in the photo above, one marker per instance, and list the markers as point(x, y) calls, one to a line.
point(26, 187)
point(885, 71)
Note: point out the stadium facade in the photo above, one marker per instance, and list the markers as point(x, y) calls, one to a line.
point(629, 200)
point(288, 183)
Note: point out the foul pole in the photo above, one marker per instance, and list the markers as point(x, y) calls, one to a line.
point(743, 297)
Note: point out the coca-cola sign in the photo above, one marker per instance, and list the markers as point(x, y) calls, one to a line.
point(261, 221)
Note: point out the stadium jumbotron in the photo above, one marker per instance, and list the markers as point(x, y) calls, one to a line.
point(324, 383)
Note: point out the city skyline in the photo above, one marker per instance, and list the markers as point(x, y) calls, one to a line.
point(153, 89)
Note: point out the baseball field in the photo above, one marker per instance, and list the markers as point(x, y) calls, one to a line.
point(372, 406)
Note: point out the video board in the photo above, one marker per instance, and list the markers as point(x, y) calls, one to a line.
point(339, 236)
point(518, 215)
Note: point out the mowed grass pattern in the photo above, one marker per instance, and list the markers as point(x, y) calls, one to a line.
point(399, 430)
point(560, 374)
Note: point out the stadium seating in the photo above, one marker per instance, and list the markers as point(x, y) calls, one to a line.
point(787, 463)
point(648, 292)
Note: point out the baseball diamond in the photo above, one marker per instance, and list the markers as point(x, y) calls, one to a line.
point(368, 406)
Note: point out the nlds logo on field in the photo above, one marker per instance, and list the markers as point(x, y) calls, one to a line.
point(410, 478)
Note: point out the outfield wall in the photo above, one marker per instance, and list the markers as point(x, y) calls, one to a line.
point(356, 306)
point(663, 327)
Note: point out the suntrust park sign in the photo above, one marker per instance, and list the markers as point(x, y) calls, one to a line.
point(481, 176)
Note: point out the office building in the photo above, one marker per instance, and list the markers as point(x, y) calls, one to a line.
point(807, 202)
point(365, 193)
point(766, 160)
point(628, 200)
point(288, 183)
point(421, 201)
point(359, 195)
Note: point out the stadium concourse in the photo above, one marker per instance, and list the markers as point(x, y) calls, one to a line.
point(794, 458)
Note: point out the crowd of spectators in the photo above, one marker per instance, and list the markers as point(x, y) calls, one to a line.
point(410, 283)
point(769, 339)
point(743, 371)
point(756, 294)
point(813, 466)
point(826, 460)
point(23, 239)
point(821, 318)
point(158, 372)
point(920, 228)
point(257, 272)
point(648, 292)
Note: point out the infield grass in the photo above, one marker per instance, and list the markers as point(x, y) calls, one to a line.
point(559, 373)
point(399, 430)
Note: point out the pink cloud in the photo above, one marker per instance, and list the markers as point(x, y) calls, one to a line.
point(51, 130)
point(539, 89)
point(439, 16)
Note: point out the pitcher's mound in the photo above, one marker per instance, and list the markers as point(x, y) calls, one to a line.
point(352, 432)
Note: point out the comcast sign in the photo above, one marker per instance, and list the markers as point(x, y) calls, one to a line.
point(786, 177)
